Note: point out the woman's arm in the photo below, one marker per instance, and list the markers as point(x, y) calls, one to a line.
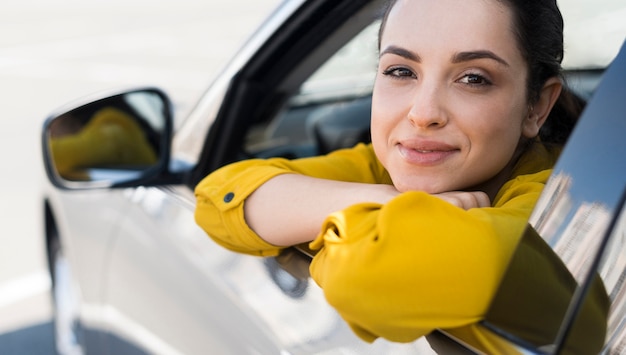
point(285, 202)
point(289, 209)
point(402, 269)
point(280, 187)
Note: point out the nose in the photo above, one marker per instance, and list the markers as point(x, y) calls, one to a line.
point(427, 109)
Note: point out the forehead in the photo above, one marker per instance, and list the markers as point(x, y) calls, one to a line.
point(451, 24)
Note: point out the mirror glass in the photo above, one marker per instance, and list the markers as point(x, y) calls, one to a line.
point(111, 140)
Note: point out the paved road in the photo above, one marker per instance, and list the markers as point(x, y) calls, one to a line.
point(53, 52)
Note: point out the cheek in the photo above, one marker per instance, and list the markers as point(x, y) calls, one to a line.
point(381, 115)
point(502, 121)
point(389, 106)
point(378, 126)
point(383, 120)
point(500, 143)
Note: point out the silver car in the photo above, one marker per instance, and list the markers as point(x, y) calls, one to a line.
point(133, 274)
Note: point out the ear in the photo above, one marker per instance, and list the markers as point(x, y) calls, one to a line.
point(538, 113)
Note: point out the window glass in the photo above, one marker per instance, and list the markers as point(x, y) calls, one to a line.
point(613, 273)
point(346, 78)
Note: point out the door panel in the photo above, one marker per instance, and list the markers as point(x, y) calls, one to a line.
point(166, 289)
point(87, 224)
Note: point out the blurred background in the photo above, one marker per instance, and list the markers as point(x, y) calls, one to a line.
point(52, 52)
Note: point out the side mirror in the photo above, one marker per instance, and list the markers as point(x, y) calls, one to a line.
point(119, 140)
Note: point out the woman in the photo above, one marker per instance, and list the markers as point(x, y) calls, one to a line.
point(414, 231)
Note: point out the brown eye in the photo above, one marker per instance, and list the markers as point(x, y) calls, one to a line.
point(474, 80)
point(399, 72)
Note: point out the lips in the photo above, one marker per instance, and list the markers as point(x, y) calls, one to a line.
point(426, 153)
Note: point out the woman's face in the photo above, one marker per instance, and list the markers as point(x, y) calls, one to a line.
point(449, 103)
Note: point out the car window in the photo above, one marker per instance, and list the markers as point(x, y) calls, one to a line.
point(341, 84)
point(307, 125)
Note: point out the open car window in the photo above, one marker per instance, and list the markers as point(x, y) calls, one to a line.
point(330, 110)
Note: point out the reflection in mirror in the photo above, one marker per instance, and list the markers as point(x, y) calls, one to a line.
point(114, 139)
point(574, 230)
point(613, 272)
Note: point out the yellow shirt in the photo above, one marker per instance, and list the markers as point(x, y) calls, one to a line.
point(397, 270)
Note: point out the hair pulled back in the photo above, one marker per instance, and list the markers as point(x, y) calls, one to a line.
point(538, 27)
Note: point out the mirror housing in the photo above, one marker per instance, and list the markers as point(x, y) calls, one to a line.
point(116, 140)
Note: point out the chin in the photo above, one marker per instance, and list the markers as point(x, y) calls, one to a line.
point(432, 181)
point(406, 186)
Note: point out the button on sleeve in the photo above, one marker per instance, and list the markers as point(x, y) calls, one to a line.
point(229, 197)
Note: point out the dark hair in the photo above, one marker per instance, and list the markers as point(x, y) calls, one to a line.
point(538, 26)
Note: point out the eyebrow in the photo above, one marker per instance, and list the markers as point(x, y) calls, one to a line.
point(474, 55)
point(404, 53)
point(456, 58)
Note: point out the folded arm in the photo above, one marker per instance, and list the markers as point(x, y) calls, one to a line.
point(417, 263)
point(260, 206)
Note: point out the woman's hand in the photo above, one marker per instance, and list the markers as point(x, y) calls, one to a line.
point(465, 199)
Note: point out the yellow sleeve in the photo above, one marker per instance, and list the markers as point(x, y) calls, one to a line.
point(220, 196)
point(417, 263)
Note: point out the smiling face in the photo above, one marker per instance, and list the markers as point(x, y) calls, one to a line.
point(450, 102)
